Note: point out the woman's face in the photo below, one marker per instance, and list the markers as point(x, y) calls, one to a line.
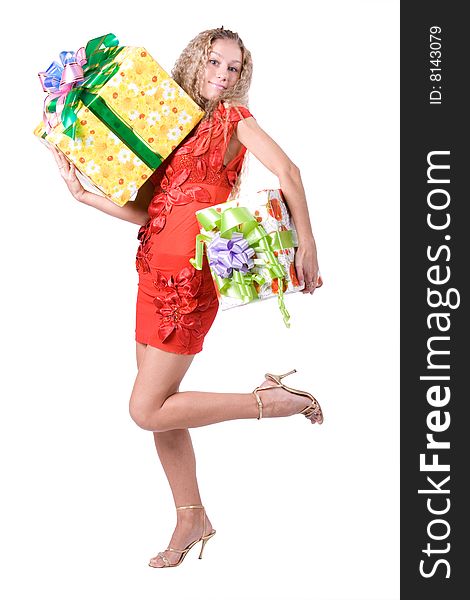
point(222, 69)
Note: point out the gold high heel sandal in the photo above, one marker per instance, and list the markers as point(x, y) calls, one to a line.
point(312, 410)
point(183, 552)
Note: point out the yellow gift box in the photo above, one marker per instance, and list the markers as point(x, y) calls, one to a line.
point(152, 105)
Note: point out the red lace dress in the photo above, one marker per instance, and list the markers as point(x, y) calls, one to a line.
point(176, 303)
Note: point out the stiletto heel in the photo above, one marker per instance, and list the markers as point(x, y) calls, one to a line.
point(311, 410)
point(271, 376)
point(203, 539)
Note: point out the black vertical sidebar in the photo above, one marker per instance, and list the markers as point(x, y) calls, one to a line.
point(435, 268)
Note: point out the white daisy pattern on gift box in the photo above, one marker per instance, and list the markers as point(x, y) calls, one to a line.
point(75, 145)
point(91, 168)
point(174, 133)
point(132, 188)
point(169, 94)
point(165, 110)
point(124, 155)
point(183, 117)
point(137, 162)
point(153, 117)
point(113, 138)
point(115, 81)
point(89, 141)
point(133, 87)
point(133, 115)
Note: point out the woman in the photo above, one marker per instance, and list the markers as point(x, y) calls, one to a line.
point(177, 304)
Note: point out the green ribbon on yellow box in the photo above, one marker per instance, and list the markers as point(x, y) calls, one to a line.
point(101, 65)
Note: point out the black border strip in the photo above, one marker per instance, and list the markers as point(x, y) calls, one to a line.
point(434, 252)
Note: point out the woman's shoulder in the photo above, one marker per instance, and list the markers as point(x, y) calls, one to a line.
point(235, 112)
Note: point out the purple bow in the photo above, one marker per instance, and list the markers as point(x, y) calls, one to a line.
point(226, 255)
point(58, 80)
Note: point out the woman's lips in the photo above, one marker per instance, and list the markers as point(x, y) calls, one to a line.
point(218, 86)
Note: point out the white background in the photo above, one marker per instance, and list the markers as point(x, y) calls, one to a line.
point(301, 511)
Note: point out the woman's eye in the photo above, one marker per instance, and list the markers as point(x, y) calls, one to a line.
point(214, 61)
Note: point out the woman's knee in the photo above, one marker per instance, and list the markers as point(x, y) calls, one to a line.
point(159, 376)
point(145, 415)
point(148, 422)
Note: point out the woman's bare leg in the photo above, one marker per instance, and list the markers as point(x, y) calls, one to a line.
point(176, 453)
point(156, 405)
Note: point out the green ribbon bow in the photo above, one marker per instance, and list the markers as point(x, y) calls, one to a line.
point(239, 285)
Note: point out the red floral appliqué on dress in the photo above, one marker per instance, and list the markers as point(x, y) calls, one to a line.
point(201, 142)
point(178, 306)
point(144, 256)
point(173, 194)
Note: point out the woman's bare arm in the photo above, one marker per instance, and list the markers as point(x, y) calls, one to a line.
point(265, 149)
point(134, 212)
point(261, 145)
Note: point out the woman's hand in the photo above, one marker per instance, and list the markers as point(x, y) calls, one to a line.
point(134, 212)
point(306, 267)
point(69, 175)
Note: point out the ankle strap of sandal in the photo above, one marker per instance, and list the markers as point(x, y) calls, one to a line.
point(260, 404)
point(204, 519)
point(258, 399)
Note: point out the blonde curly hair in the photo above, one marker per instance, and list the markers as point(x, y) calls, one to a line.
point(188, 71)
